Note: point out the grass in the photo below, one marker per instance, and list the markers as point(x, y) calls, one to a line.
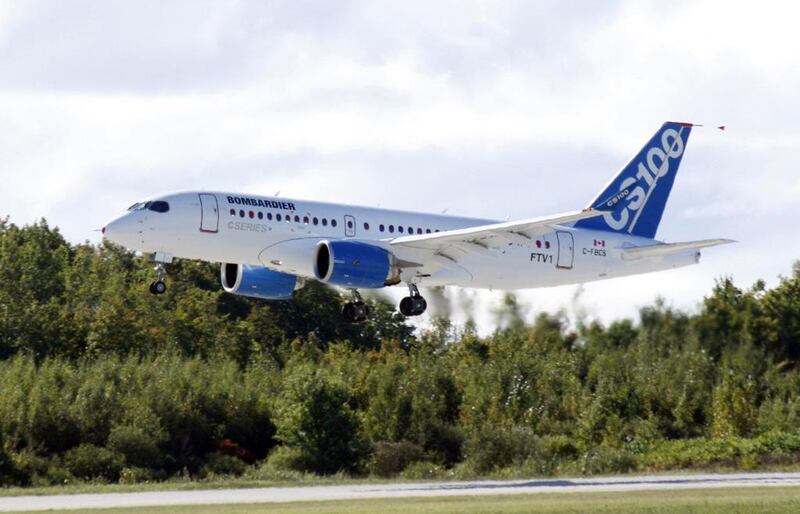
point(706, 501)
point(307, 479)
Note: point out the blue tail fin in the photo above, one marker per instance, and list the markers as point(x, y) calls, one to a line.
point(635, 199)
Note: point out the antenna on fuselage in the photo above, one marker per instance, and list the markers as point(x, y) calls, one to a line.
point(277, 193)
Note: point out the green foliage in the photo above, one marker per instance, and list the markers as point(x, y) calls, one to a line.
point(101, 381)
point(92, 462)
point(138, 448)
point(314, 417)
point(218, 464)
point(390, 458)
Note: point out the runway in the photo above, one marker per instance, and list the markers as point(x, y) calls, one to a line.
point(389, 490)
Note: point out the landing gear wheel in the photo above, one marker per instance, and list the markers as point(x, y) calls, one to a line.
point(355, 312)
point(158, 287)
point(413, 305)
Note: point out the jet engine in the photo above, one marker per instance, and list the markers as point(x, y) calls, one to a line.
point(353, 264)
point(258, 282)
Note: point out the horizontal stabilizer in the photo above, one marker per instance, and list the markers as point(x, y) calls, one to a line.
point(658, 250)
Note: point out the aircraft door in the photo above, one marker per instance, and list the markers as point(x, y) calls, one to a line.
point(566, 250)
point(209, 213)
point(349, 226)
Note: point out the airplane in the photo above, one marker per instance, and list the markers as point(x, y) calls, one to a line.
point(270, 246)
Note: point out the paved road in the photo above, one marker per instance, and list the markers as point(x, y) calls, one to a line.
point(361, 491)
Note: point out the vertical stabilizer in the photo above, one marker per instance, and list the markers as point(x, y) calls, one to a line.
point(639, 193)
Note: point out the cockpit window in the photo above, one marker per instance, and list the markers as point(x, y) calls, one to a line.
point(158, 206)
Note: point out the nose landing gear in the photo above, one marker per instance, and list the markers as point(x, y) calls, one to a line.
point(158, 286)
point(355, 311)
point(413, 305)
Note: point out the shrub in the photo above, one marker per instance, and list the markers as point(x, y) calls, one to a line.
point(390, 458)
point(267, 472)
point(314, 417)
point(489, 449)
point(220, 464)
point(9, 472)
point(287, 458)
point(136, 475)
point(423, 471)
point(604, 459)
point(138, 448)
point(91, 462)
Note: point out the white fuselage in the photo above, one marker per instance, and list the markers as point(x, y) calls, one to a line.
point(282, 234)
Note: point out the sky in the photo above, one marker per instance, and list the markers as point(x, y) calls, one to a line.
point(486, 109)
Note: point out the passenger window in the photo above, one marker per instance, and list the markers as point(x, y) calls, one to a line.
point(278, 217)
point(324, 222)
point(400, 229)
point(269, 216)
point(305, 220)
point(252, 214)
point(233, 212)
point(296, 218)
point(427, 231)
point(391, 229)
point(419, 230)
point(333, 223)
point(381, 227)
point(349, 224)
point(316, 221)
point(410, 230)
point(260, 215)
point(241, 214)
point(366, 226)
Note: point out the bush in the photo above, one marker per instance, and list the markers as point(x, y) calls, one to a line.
point(604, 459)
point(9, 473)
point(423, 471)
point(267, 472)
point(138, 448)
point(219, 464)
point(91, 462)
point(136, 476)
point(488, 450)
point(390, 458)
point(313, 416)
point(287, 458)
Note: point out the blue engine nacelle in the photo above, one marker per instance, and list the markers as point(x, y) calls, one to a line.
point(352, 264)
point(258, 282)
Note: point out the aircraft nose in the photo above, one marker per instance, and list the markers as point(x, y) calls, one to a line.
point(122, 231)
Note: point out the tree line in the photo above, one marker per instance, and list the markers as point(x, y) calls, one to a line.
point(99, 380)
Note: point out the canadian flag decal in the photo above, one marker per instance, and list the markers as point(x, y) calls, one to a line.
point(600, 242)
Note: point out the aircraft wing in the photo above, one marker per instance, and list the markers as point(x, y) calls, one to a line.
point(639, 252)
point(482, 238)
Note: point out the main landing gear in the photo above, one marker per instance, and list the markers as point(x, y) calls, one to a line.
point(413, 305)
point(355, 311)
point(158, 286)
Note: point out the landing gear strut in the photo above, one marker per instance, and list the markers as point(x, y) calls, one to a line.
point(158, 286)
point(413, 305)
point(355, 311)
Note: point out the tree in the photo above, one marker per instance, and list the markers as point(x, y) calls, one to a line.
point(313, 416)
